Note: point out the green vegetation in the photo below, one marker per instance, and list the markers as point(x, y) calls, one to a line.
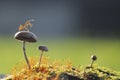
point(77, 50)
point(55, 70)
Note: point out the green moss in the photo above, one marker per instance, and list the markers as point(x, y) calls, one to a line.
point(55, 70)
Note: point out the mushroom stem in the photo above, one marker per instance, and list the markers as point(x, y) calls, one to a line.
point(40, 58)
point(24, 51)
point(91, 63)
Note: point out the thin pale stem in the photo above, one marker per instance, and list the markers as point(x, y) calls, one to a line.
point(91, 65)
point(24, 51)
point(40, 58)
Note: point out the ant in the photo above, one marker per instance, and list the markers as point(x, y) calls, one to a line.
point(27, 23)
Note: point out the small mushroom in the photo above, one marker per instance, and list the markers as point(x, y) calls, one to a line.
point(43, 49)
point(26, 36)
point(94, 58)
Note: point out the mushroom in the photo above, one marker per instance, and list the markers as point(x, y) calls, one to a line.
point(94, 58)
point(43, 49)
point(26, 36)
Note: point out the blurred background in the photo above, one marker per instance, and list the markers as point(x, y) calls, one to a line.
point(73, 29)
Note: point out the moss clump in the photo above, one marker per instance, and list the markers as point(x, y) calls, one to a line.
point(60, 71)
point(100, 73)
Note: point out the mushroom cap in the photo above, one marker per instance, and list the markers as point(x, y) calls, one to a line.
point(43, 48)
point(26, 36)
point(94, 57)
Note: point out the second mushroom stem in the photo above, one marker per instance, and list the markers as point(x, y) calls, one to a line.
point(40, 58)
point(91, 63)
point(24, 51)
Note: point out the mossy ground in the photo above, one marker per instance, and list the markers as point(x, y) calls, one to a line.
point(55, 70)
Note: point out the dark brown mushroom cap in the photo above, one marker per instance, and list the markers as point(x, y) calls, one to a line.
point(94, 57)
point(43, 48)
point(26, 36)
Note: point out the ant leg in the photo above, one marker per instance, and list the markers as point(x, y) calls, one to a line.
point(26, 29)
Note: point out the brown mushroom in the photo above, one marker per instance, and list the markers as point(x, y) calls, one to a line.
point(26, 36)
point(43, 49)
point(94, 58)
